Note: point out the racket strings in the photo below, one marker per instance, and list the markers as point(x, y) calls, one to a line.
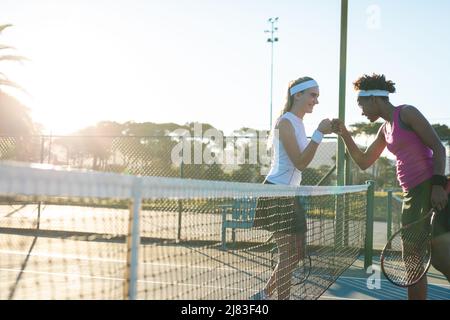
point(407, 255)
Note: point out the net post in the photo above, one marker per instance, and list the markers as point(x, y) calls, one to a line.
point(133, 240)
point(389, 214)
point(368, 247)
point(180, 204)
point(50, 148)
point(348, 181)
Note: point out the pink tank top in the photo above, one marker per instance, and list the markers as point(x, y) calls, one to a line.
point(414, 159)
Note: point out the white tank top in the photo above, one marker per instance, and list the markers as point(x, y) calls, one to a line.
point(282, 170)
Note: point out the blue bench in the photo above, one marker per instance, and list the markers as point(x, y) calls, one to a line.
point(240, 214)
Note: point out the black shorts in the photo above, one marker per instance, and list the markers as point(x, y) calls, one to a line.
point(417, 203)
point(281, 214)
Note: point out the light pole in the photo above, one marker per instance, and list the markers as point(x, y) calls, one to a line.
point(272, 39)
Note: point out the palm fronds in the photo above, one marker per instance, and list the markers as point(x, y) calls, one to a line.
point(4, 26)
point(13, 57)
point(9, 83)
point(6, 47)
point(4, 81)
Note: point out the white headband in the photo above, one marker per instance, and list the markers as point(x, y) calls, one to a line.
point(303, 86)
point(375, 93)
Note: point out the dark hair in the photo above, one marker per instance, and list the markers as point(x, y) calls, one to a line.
point(289, 99)
point(374, 82)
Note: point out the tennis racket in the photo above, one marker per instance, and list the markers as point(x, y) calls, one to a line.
point(406, 257)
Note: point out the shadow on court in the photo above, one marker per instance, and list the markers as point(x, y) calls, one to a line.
point(356, 284)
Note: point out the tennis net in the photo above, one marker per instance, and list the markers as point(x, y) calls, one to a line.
point(67, 234)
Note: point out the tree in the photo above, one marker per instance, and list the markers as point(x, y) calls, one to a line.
point(4, 81)
point(385, 173)
point(252, 160)
point(442, 131)
point(15, 120)
point(14, 116)
point(148, 147)
point(363, 128)
point(94, 142)
point(382, 168)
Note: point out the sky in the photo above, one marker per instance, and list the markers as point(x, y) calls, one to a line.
point(208, 60)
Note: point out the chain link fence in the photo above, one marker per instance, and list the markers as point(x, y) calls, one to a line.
point(231, 158)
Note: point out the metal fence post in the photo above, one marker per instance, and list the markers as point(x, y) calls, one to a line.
point(180, 203)
point(42, 149)
point(389, 214)
point(133, 241)
point(368, 248)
